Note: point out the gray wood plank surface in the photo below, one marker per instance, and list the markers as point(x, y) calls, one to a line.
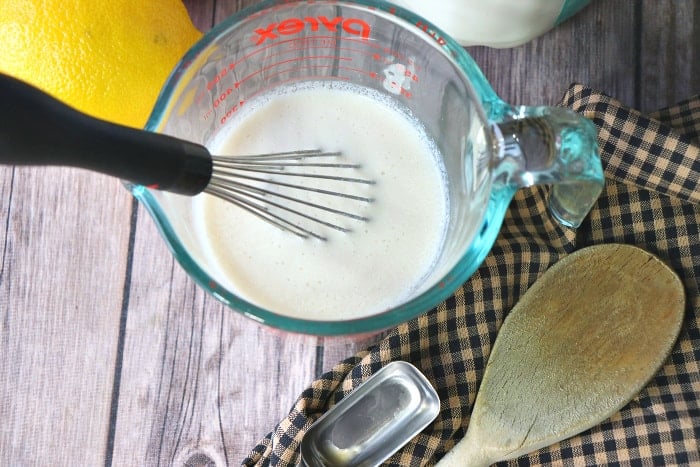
point(64, 243)
point(668, 64)
point(112, 355)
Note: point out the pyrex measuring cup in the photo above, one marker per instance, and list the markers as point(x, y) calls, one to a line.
point(489, 149)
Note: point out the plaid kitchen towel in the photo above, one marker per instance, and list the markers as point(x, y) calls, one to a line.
point(652, 166)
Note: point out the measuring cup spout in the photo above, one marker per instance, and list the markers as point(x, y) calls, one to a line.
point(551, 146)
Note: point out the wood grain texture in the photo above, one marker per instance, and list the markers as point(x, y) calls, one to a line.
point(644, 53)
point(669, 58)
point(61, 285)
point(112, 355)
point(197, 378)
point(594, 352)
point(596, 48)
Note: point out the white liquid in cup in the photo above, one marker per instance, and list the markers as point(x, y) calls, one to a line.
point(354, 274)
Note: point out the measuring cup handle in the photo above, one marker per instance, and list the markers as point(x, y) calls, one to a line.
point(551, 146)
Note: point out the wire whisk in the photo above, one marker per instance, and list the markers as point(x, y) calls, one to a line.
point(265, 186)
point(36, 129)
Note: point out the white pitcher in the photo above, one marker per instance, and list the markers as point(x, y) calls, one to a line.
point(494, 23)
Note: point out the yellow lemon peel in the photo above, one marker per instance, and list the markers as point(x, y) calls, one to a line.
point(107, 59)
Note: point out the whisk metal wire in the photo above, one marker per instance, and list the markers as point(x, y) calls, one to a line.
point(248, 181)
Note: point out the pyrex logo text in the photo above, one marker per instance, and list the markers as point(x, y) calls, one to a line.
point(291, 26)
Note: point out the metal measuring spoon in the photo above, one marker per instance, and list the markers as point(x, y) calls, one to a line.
point(579, 345)
point(374, 421)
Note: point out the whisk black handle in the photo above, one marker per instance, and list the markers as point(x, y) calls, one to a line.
point(36, 129)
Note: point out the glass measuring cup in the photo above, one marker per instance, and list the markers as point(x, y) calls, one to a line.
point(489, 148)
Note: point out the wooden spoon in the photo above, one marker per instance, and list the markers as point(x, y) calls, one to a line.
point(579, 345)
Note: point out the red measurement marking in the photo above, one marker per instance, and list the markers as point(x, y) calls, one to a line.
point(285, 62)
point(266, 89)
point(231, 111)
point(410, 75)
point(426, 28)
point(218, 101)
point(222, 97)
point(369, 49)
point(217, 78)
point(363, 48)
point(377, 52)
point(303, 42)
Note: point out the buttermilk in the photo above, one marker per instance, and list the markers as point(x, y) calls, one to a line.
point(369, 270)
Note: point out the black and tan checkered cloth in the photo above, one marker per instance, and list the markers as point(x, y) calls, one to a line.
point(652, 166)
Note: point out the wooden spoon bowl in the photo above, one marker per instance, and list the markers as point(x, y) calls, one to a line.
point(578, 346)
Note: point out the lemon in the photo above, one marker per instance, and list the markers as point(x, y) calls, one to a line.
point(108, 58)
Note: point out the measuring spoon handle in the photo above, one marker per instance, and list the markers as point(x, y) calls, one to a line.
point(36, 129)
